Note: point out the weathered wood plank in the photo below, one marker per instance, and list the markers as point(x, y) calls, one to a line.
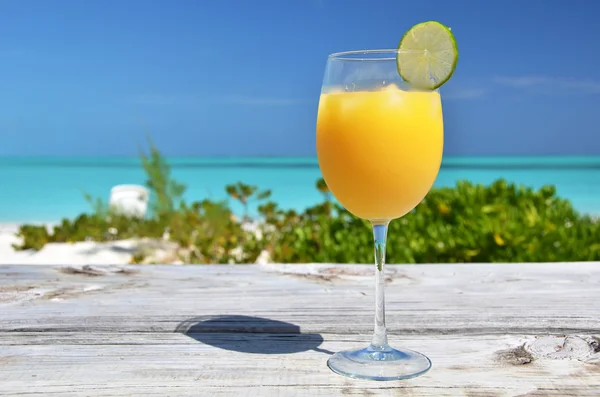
point(433, 299)
point(490, 330)
point(114, 364)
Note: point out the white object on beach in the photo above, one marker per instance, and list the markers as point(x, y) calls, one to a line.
point(129, 200)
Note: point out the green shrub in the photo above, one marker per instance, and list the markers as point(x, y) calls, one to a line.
point(469, 223)
point(167, 193)
point(33, 237)
point(502, 222)
point(208, 232)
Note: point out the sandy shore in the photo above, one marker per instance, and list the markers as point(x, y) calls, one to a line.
point(90, 252)
point(81, 253)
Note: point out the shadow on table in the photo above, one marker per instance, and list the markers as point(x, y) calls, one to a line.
point(250, 335)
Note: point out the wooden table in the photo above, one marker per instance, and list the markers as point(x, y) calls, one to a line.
point(491, 330)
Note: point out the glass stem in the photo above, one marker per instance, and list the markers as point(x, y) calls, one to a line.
point(380, 342)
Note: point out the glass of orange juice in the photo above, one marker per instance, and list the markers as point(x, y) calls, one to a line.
point(379, 146)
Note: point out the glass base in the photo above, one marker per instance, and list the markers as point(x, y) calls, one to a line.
point(374, 364)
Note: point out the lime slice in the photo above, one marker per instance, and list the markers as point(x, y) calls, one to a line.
point(427, 55)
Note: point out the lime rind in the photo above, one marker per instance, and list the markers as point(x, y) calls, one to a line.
point(427, 55)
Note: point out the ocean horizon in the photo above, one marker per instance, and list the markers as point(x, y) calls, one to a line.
point(49, 188)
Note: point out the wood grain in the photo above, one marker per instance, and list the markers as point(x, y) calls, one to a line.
point(490, 329)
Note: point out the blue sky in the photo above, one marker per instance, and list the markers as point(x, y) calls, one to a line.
point(226, 77)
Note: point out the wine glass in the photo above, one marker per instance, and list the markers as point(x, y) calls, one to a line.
point(379, 146)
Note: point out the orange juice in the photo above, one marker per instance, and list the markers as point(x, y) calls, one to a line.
point(380, 151)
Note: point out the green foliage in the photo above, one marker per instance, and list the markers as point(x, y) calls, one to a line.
point(502, 222)
point(468, 223)
point(99, 206)
point(323, 233)
point(246, 194)
point(207, 232)
point(166, 193)
point(323, 189)
point(33, 237)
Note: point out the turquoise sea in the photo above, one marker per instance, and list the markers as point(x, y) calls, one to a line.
point(45, 189)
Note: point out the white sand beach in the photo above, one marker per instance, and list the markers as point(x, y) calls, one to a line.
point(91, 253)
point(82, 253)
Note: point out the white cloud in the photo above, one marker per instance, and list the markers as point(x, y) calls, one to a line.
point(587, 86)
point(521, 81)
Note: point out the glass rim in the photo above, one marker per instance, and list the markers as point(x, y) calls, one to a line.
point(368, 55)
